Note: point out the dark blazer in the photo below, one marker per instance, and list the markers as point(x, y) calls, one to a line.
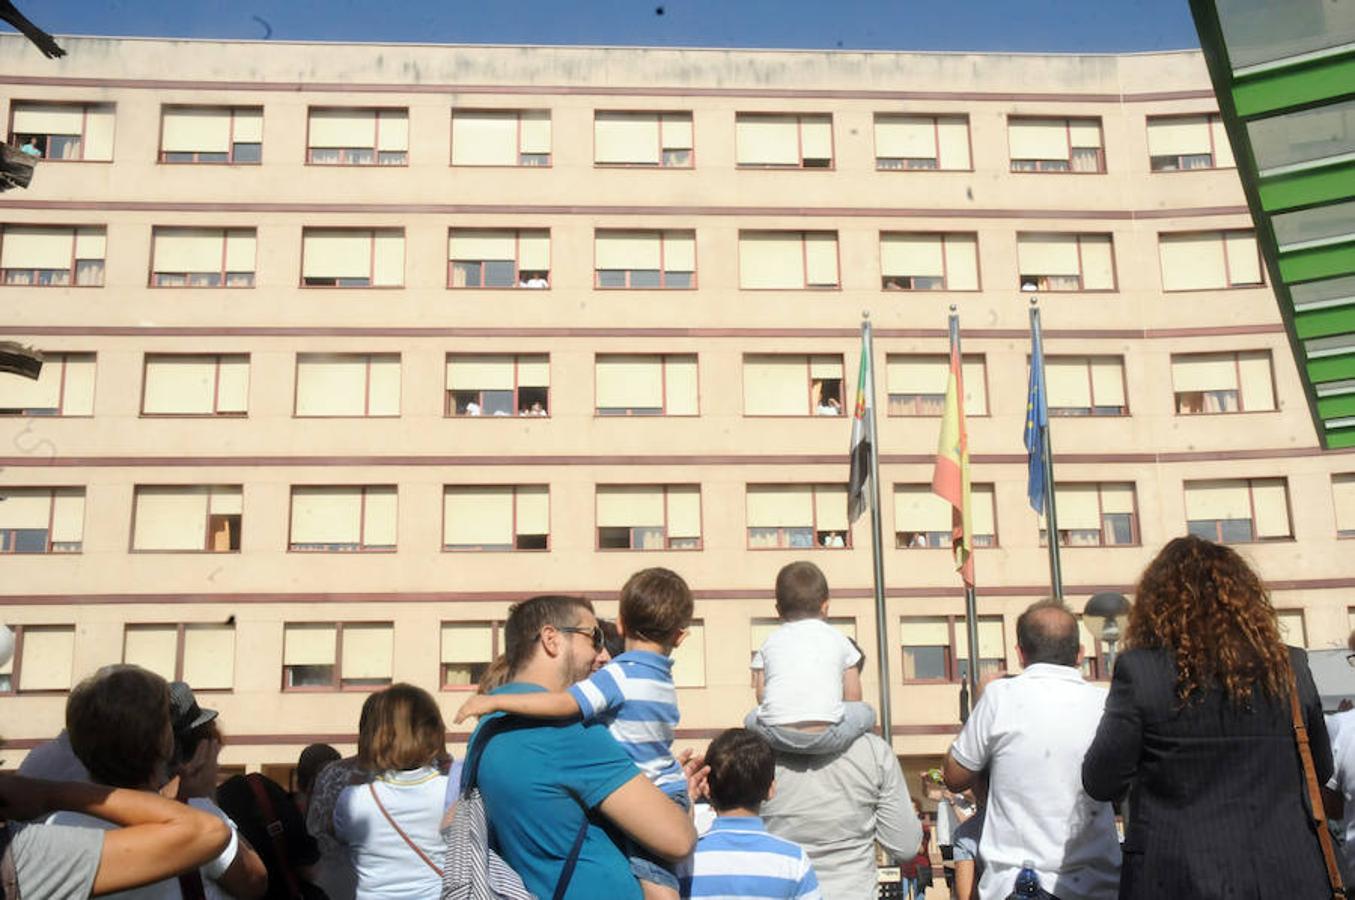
point(1217, 800)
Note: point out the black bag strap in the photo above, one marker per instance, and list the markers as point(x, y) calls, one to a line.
point(472, 769)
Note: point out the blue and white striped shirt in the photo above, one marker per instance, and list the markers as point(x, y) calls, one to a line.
point(634, 695)
point(738, 859)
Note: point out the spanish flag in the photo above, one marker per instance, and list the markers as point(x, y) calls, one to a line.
point(950, 478)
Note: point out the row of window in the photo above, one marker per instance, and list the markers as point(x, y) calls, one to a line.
point(485, 258)
point(500, 385)
point(367, 136)
point(332, 656)
point(505, 517)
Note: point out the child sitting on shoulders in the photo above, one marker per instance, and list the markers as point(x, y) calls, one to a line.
point(737, 857)
point(634, 694)
point(806, 673)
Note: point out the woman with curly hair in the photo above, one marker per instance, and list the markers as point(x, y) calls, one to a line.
point(1198, 731)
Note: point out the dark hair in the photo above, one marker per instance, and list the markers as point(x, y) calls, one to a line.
point(801, 591)
point(656, 605)
point(118, 722)
point(400, 728)
point(496, 674)
point(742, 768)
point(611, 638)
point(1047, 633)
point(1208, 609)
point(186, 745)
point(314, 758)
point(526, 619)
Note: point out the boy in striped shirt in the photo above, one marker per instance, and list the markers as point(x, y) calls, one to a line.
point(737, 858)
point(634, 694)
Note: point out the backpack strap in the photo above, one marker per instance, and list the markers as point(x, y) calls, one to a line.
point(567, 872)
point(273, 825)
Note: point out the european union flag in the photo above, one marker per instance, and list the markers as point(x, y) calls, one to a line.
point(1037, 420)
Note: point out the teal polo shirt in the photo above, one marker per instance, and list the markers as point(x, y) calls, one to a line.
point(538, 777)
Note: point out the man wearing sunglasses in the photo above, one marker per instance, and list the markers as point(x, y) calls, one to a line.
point(542, 778)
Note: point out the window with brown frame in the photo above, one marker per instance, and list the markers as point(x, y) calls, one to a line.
point(916, 383)
point(936, 648)
point(923, 520)
point(498, 258)
point(343, 518)
point(43, 659)
point(630, 384)
point(1343, 499)
point(798, 516)
point(501, 137)
point(1210, 260)
point(920, 261)
point(1293, 628)
point(69, 132)
point(203, 257)
point(347, 384)
point(1085, 386)
point(198, 384)
point(649, 517)
point(1052, 262)
point(498, 384)
point(784, 140)
point(1055, 145)
point(352, 257)
point(194, 518)
point(42, 519)
point(211, 134)
point(496, 517)
point(1186, 143)
point(689, 657)
point(913, 142)
point(200, 653)
point(468, 649)
point(1233, 382)
point(334, 656)
point(644, 259)
point(1239, 510)
point(1095, 514)
point(65, 387)
point(660, 139)
point(786, 384)
point(788, 260)
point(52, 255)
point(346, 136)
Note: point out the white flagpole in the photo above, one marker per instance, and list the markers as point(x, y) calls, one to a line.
point(876, 535)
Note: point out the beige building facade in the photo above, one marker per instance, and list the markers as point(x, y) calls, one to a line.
point(349, 347)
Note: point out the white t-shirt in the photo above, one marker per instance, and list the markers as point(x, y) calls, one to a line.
point(169, 888)
point(387, 867)
point(802, 663)
point(1031, 733)
point(1341, 727)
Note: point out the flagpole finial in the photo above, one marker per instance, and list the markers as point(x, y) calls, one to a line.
point(865, 314)
point(954, 308)
point(1034, 301)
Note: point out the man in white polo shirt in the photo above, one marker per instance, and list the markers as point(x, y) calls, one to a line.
point(1028, 735)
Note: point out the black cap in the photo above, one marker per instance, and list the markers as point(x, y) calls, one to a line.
point(184, 712)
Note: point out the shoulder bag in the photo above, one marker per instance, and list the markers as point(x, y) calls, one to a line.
point(1314, 791)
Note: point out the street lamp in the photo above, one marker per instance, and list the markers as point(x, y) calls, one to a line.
point(1105, 616)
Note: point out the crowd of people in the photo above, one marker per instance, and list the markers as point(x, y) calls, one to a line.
point(570, 787)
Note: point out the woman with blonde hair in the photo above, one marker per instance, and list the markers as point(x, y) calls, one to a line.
point(390, 823)
point(1198, 732)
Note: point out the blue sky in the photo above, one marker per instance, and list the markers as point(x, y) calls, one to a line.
point(1014, 25)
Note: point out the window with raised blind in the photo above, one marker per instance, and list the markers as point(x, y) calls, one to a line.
point(496, 517)
point(662, 139)
point(207, 384)
point(916, 384)
point(196, 518)
point(921, 142)
point(797, 516)
point(343, 136)
point(498, 384)
point(1207, 383)
point(785, 384)
point(43, 659)
point(347, 384)
point(501, 137)
point(644, 259)
point(1055, 145)
point(202, 654)
point(343, 518)
point(68, 132)
point(498, 258)
point(630, 384)
point(65, 387)
point(1095, 515)
point(1085, 386)
point(42, 519)
point(923, 520)
point(913, 261)
point(203, 257)
point(649, 517)
point(936, 648)
point(211, 134)
point(1184, 143)
point(788, 260)
point(784, 140)
point(337, 655)
point(353, 257)
point(1239, 510)
point(468, 648)
point(1062, 261)
point(1343, 498)
point(52, 255)
point(1209, 260)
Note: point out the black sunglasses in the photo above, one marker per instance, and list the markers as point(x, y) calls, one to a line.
point(595, 633)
